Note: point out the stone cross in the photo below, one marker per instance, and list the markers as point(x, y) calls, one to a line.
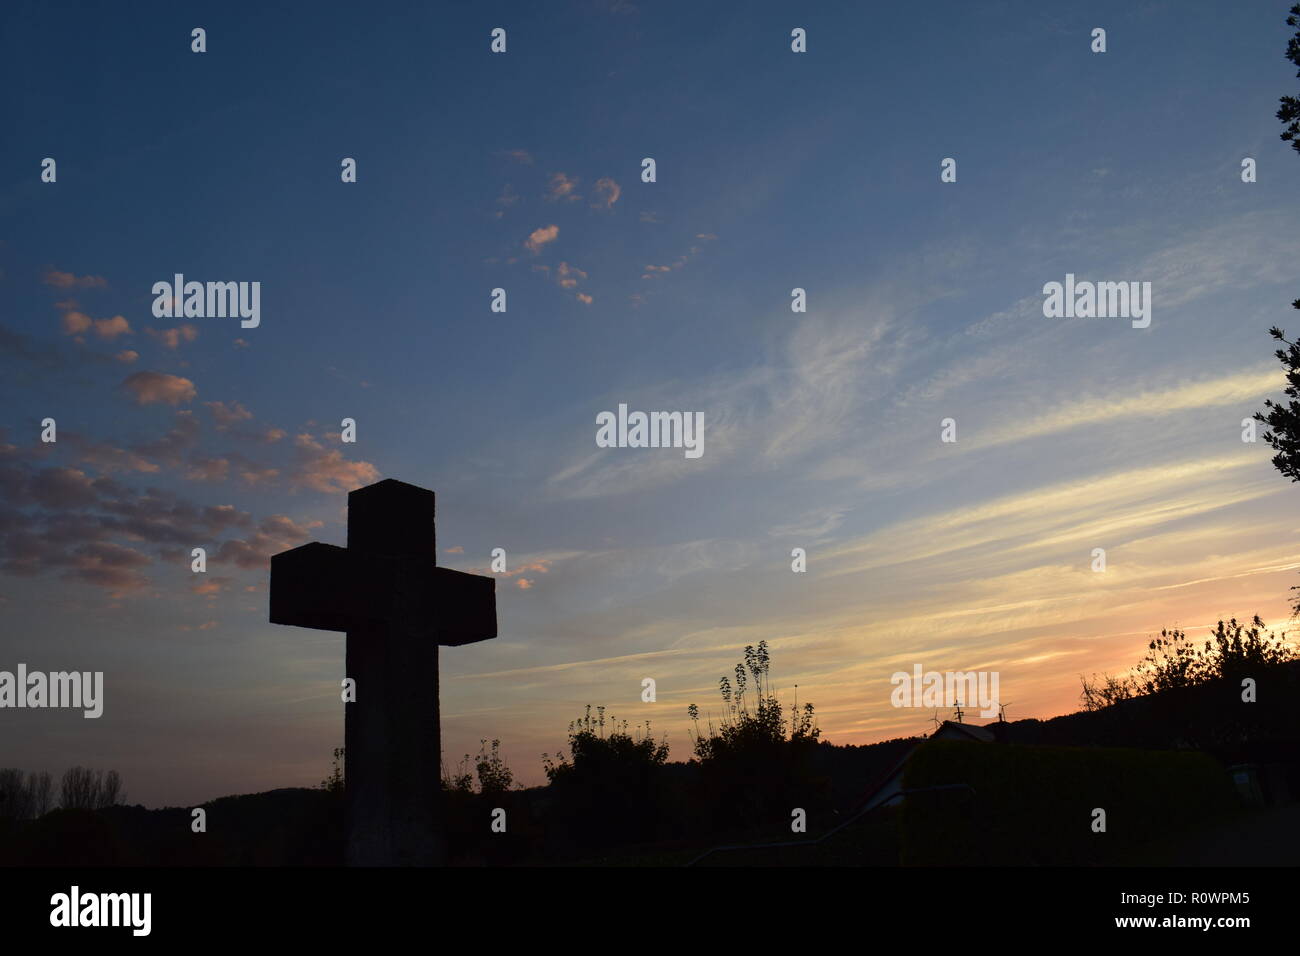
point(396, 606)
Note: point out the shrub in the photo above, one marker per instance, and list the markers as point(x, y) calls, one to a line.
point(611, 791)
point(755, 770)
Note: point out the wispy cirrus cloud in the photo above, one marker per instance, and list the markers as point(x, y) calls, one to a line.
point(1241, 388)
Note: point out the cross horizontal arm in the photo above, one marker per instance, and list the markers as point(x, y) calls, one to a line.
point(334, 589)
point(463, 607)
point(313, 586)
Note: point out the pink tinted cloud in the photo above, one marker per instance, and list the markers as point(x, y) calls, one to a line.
point(159, 388)
point(172, 338)
point(224, 415)
point(107, 458)
point(562, 188)
point(540, 237)
point(605, 193)
point(78, 323)
point(274, 534)
point(69, 280)
point(326, 470)
point(208, 469)
point(567, 276)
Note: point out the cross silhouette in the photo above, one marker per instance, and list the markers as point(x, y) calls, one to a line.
point(396, 606)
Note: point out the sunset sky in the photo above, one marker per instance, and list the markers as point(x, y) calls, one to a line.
point(521, 170)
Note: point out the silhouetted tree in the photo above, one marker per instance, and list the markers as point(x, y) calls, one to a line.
point(110, 791)
point(40, 791)
point(79, 789)
point(1283, 419)
point(1289, 113)
point(1235, 651)
point(1103, 692)
point(85, 789)
point(1173, 661)
point(14, 795)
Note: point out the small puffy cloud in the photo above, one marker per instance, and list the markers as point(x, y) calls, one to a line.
point(561, 188)
point(127, 356)
point(507, 199)
point(584, 298)
point(326, 470)
point(650, 217)
point(224, 415)
point(256, 475)
point(112, 328)
point(272, 435)
point(567, 276)
point(109, 565)
point(75, 323)
point(78, 323)
point(107, 458)
point(241, 343)
point(540, 237)
point(172, 338)
point(69, 280)
point(208, 469)
point(211, 585)
point(63, 488)
point(706, 235)
point(540, 566)
point(159, 388)
point(179, 439)
point(456, 550)
point(521, 156)
point(273, 535)
point(523, 584)
point(605, 193)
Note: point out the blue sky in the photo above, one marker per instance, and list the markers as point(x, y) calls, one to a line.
point(775, 171)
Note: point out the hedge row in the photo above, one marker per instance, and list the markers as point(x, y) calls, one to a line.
point(1035, 805)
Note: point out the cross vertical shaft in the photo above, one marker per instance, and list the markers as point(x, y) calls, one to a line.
point(396, 606)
